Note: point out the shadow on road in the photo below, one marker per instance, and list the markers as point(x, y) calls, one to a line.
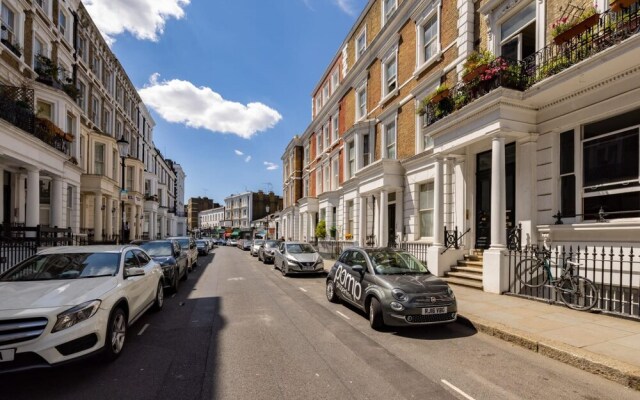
point(175, 357)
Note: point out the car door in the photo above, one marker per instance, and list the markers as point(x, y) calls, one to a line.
point(134, 285)
point(347, 282)
point(362, 279)
point(278, 255)
point(181, 258)
point(150, 276)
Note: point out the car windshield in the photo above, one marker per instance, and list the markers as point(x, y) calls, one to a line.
point(297, 248)
point(184, 243)
point(158, 249)
point(201, 243)
point(258, 242)
point(387, 262)
point(64, 266)
point(271, 243)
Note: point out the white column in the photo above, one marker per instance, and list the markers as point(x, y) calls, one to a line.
point(383, 211)
point(498, 195)
point(163, 228)
point(400, 214)
point(438, 233)
point(20, 199)
point(97, 216)
point(448, 194)
point(526, 180)
point(109, 217)
point(362, 220)
point(32, 217)
point(56, 202)
point(375, 206)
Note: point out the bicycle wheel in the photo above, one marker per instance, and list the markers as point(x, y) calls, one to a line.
point(530, 272)
point(578, 293)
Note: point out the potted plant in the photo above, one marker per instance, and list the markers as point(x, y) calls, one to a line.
point(460, 99)
point(441, 93)
point(476, 64)
point(617, 5)
point(348, 236)
point(321, 229)
point(332, 232)
point(564, 29)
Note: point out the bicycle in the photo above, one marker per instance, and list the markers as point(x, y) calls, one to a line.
point(576, 292)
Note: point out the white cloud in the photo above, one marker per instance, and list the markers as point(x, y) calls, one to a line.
point(238, 152)
point(270, 166)
point(347, 6)
point(247, 159)
point(200, 107)
point(144, 19)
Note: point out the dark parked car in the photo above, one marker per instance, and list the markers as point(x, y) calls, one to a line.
point(267, 250)
point(203, 247)
point(392, 286)
point(173, 260)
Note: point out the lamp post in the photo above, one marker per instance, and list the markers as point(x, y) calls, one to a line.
point(123, 149)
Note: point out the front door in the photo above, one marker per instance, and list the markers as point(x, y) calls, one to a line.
point(392, 224)
point(483, 194)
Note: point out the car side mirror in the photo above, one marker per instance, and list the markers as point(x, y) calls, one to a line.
point(176, 253)
point(358, 269)
point(192, 246)
point(133, 271)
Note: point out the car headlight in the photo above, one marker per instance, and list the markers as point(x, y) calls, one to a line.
point(319, 260)
point(399, 295)
point(395, 306)
point(292, 262)
point(450, 293)
point(76, 314)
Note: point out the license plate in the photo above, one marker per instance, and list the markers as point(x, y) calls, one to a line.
point(434, 310)
point(310, 268)
point(7, 355)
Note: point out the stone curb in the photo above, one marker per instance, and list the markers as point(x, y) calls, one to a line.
point(614, 370)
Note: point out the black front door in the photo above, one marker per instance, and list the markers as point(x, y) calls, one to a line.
point(483, 194)
point(392, 224)
point(6, 193)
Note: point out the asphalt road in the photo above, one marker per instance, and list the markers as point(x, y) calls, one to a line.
point(239, 330)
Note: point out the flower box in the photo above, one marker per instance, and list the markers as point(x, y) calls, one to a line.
point(474, 73)
point(618, 5)
point(438, 97)
point(577, 29)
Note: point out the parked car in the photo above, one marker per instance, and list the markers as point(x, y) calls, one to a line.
point(232, 242)
point(66, 303)
point(203, 247)
point(212, 243)
point(246, 244)
point(267, 250)
point(297, 257)
point(255, 246)
point(172, 259)
point(222, 242)
point(188, 245)
point(392, 286)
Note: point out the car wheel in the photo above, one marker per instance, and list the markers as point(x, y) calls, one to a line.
point(176, 280)
point(284, 269)
point(159, 301)
point(375, 314)
point(331, 292)
point(116, 335)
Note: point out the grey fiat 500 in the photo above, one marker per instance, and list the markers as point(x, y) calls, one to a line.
point(392, 286)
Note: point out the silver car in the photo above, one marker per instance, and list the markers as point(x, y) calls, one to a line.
point(255, 247)
point(297, 257)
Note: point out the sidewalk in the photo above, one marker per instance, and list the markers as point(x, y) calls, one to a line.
point(597, 343)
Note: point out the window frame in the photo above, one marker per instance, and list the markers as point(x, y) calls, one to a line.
point(335, 127)
point(421, 211)
point(99, 163)
point(385, 136)
point(422, 62)
point(390, 59)
point(388, 14)
point(361, 107)
point(361, 48)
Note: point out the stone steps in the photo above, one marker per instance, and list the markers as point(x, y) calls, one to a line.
point(467, 272)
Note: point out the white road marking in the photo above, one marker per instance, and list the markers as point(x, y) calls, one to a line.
point(144, 328)
point(341, 314)
point(303, 289)
point(460, 392)
point(239, 278)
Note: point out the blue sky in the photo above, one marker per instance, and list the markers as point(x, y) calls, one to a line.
point(224, 77)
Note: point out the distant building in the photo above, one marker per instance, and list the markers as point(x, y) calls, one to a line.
point(245, 207)
point(212, 218)
point(197, 204)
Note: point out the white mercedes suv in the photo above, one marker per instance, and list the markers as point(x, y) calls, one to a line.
point(66, 303)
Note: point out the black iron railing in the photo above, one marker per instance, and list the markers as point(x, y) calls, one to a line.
point(17, 108)
point(611, 29)
point(615, 272)
point(514, 237)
